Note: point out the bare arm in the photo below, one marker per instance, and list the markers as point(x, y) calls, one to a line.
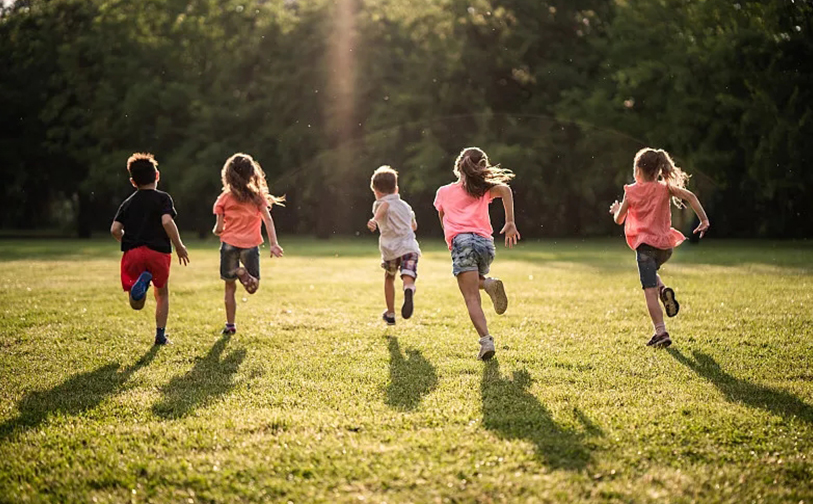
point(689, 196)
point(440, 216)
point(510, 230)
point(380, 213)
point(218, 229)
point(619, 210)
point(414, 222)
point(271, 231)
point(117, 230)
point(172, 231)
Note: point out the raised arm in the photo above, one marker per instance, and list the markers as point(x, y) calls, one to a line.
point(510, 231)
point(271, 231)
point(619, 210)
point(117, 230)
point(172, 231)
point(689, 196)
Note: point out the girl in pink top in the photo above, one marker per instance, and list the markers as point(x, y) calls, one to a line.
point(649, 230)
point(240, 209)
point(463, 210)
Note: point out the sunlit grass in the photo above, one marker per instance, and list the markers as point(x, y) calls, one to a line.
point(315, 399)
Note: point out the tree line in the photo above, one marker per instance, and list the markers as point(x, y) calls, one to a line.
point(321, 92)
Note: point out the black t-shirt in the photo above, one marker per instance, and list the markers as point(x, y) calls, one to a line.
point(141, 215)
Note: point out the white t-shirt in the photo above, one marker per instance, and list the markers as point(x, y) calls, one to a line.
point(397, 237)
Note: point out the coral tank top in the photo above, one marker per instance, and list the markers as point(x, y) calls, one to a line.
point(649, 219)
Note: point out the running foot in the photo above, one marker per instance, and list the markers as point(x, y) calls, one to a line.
point(486, 348)
point(408, 307)
point(389, 319)
point(660, 341)
point(669, 302)
point(228, 330)
point(139, 289)
point(250, 283)
point(496, 291)
point(159, 341)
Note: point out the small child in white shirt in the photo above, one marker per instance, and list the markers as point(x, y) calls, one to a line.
point(399, 248)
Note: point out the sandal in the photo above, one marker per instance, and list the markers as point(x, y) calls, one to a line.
point(250, 283)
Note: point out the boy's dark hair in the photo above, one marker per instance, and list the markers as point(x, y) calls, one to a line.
point(142, 167)
point(384, 180)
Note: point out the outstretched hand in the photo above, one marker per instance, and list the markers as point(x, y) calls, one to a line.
point(371, 225)
point(511, 234)
point(614, 207)
point(183, 255)
point(702, 228)
point(276, 250)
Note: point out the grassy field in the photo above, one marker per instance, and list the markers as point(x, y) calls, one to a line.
point(316, 400)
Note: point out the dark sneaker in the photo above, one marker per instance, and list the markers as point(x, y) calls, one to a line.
point(139, 289)
point(669, 302)
point(486, 348)
point(159, 341)
point(660, 341)
point(229, 330)
point(389, 319)
point(407, 309)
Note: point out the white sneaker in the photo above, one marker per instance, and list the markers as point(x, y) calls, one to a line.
point(496, 291)
point(486, 348)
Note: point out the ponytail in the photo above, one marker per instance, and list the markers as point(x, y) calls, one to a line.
point(658, 163)
point(245, 179)
point(479, 176)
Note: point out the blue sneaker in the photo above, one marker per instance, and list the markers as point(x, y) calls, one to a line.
point(139, 289)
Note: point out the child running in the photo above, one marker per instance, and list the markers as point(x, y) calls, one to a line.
point(145, 227)
point(463, 210)
point(399, 249)
point(649, 231)
point(240, 209)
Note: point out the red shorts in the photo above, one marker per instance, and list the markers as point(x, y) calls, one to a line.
point(136, 261)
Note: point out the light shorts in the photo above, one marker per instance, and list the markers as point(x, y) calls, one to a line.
point(408, 264)
point(472, 252)
point(231, 257)
point(650, 260)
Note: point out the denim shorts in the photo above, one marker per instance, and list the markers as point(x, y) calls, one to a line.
point(407, 263)
point(231, 257)
point(650, 260)
point(472, 252)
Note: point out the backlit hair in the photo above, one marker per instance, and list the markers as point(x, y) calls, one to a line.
point(479, 175)
point(384, 180)
point(655, 164)
point(244, 178)
point(142, 167)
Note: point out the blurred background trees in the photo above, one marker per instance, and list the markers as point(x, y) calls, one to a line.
point(322, 92)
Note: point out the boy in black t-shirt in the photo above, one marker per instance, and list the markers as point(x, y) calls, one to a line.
point(145, 227)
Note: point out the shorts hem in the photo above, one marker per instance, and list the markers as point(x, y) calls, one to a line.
point(458, 271)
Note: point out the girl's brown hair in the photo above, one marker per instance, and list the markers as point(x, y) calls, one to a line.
point(480, 175)
point(244, 178)
point(657, 164)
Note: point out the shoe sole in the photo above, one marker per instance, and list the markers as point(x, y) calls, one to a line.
point(669, 302)
point(487, 355)
point(496, 291)
point(408, 307)
point(139, 289)
point(664, 343)
point(250, 284)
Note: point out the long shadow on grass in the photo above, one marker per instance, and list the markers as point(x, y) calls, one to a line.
point(209, 379)
point(77, 394)
point(514, 413)
point(736, 390)
point(410, 379)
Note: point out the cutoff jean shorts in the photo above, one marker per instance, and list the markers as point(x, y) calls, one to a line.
point(650, 260)
point(472, 252)
point(231, 257)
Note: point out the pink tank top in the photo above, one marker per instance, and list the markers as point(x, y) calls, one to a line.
point(649, 219)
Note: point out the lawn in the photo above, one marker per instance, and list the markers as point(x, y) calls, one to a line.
point(316, 400)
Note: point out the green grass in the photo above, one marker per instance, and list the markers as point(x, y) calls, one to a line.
point(315, 399)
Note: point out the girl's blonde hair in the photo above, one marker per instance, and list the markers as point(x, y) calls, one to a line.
point(244, 178)
point(657, 164)
point(480, 175)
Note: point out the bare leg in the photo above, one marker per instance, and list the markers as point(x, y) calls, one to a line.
point(409, 282)
point(389, 292)
point(652, 303)
point(661, 285)
point(469, 283)
point(161, 305)
point(231, 304)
